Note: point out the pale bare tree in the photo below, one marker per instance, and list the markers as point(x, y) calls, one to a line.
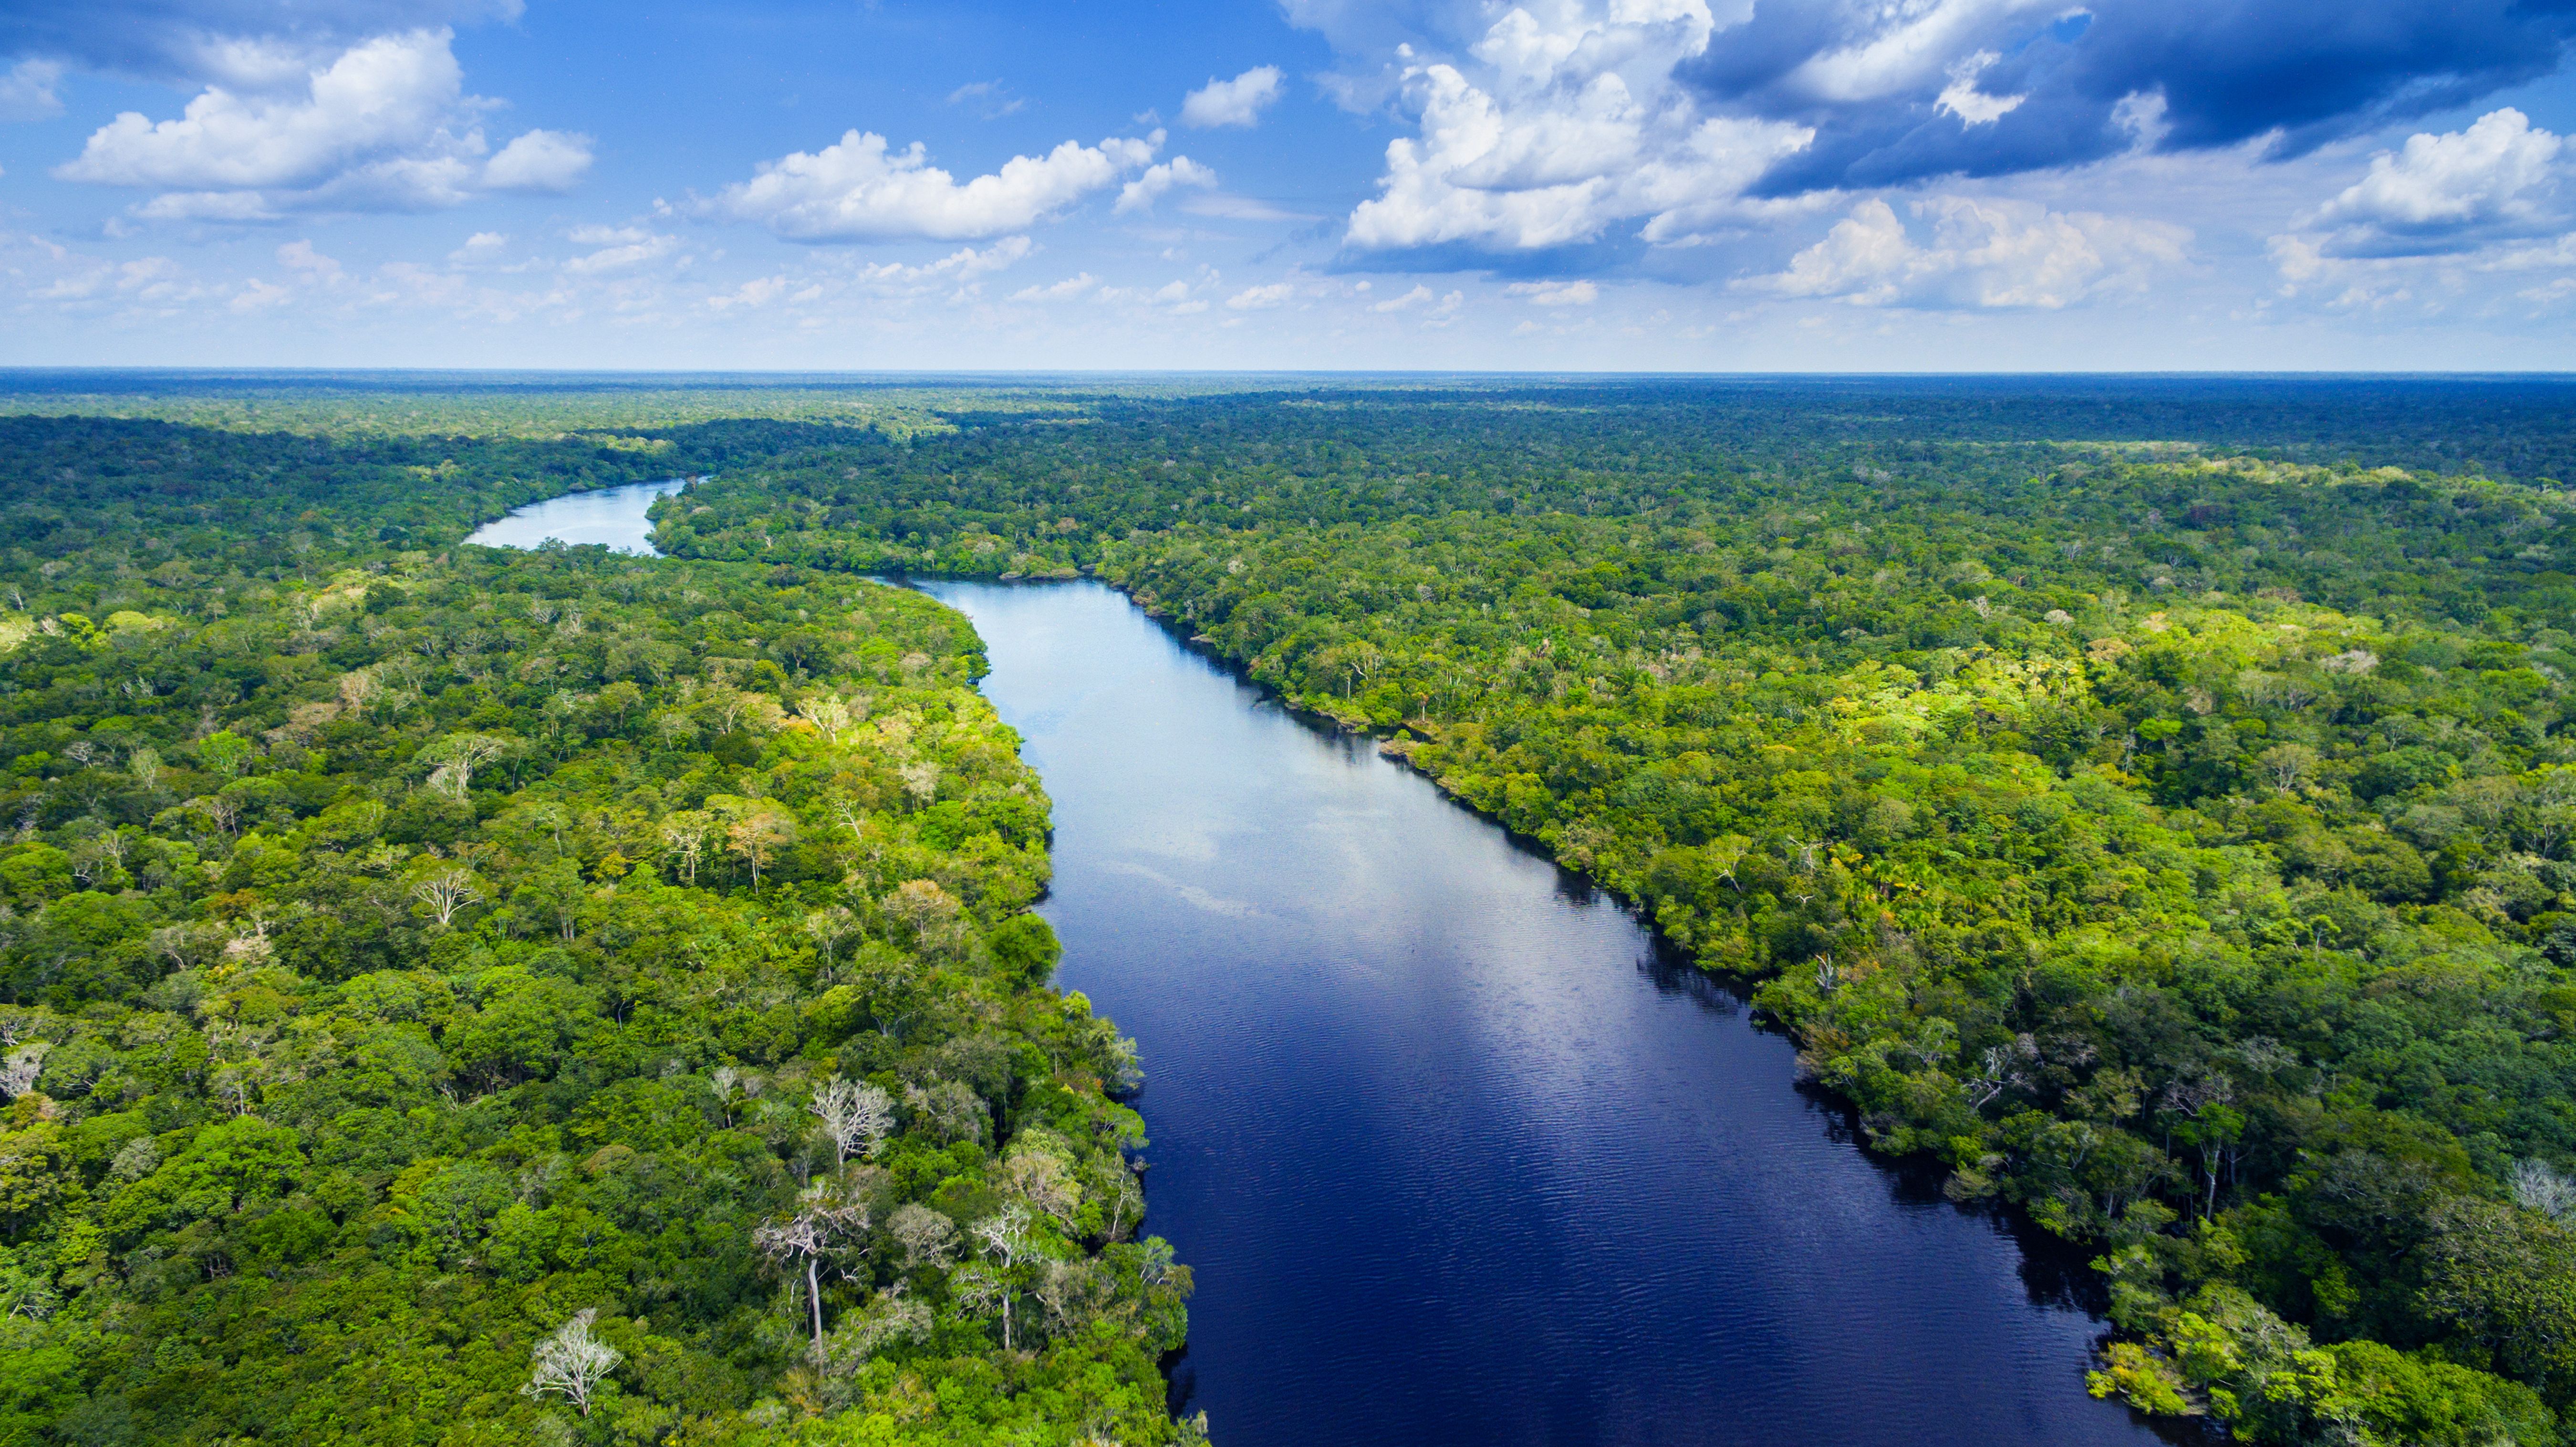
point(829, 715)
point(920, 781)
point(445, 892)
point(1111, 1177)
point(930, 912)
point(857, 1117)
point(951, 1108)
point(757, 837)
point(684, 837)
point(829, 927)
point(734, 1085)
point(2539, 1186)
point(927, 1237)
point(2289, 765)
point(222, 810)
point(1006, 1242)
point(458, 756)
point(18, 1071)
point(1042, 1179)
point(572, 1363)
point(822, 1226)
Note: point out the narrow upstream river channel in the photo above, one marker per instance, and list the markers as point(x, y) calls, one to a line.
point(1456, 1157)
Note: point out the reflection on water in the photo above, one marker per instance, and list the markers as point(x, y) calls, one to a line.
point(612, 516)
point(1455, 1156)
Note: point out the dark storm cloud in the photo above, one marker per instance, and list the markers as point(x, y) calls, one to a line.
point(2167, 74)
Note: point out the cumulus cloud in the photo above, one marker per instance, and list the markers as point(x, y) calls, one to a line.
point(384, 126)
point(1972, 106)
point(27, 90)
point(1145, 190)
point(1831, 96)
point(2449, 192)
point(1566, 128)
point(539, 161)
point(1983, 254)
point(961, 266)
point(859, 190)
point(2430, 215)
point(1236, 102)
point(616, 248)
point(1262, 298)
point(1177, 298)
point(1555, 293)
point(1065, 290)
point(384, 94)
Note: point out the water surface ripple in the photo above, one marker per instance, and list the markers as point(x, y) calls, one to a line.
point(1455, 1158)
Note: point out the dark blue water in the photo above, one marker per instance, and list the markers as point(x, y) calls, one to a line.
point(1455, 1159)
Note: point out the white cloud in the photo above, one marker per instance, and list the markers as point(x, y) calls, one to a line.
point(959, 267)
point(1065, 290)
point(992, 99)
point(539, 161)
point(2428, 216)
point(760, 291)
point(300, 257)
point(1236, 102)
point(1908, 52)
point(257, 295)
point(1571, 125)
point(1410, 299)
point(1972, 106)
point(383, 126)
point(1150, 187)
point(388, 94)
point(1984, 254)
point(857, 190)
point(1179, 298)
point(27, 90)
point(1262, 298)
point(1555, 293)
point(2447, 192)
point(617, 248)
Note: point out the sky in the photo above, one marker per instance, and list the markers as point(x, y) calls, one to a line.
point(1625, 185)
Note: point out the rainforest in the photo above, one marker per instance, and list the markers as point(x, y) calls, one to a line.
point(453, 994)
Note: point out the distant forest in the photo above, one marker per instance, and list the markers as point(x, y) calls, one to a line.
point(2152, 799)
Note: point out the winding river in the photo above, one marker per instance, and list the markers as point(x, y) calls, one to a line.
point(1457, 1157)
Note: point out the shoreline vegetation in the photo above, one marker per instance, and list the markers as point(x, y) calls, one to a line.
point(2171, 839)
point(455, 996)
point(2171, 833)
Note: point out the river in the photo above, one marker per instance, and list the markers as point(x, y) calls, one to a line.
point(610, 516)
point(1457, 1158)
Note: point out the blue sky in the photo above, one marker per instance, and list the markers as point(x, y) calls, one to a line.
point(1548, 184)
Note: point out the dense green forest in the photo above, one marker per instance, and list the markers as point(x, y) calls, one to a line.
point(455, 997)
point(2171, 834)
point(2152, 799)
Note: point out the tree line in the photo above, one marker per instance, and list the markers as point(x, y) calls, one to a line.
point(448, 996)
point(2171, 835)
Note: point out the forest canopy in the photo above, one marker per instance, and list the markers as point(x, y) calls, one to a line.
point(452, 996)
point(2150, 799)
